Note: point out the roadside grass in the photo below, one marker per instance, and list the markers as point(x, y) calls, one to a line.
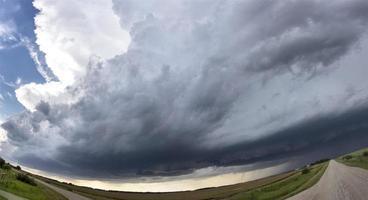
point(288, 187)
point(10, 184)
point(355, 159)
point(3, 198)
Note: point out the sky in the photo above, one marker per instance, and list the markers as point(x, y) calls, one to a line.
point(152, 91)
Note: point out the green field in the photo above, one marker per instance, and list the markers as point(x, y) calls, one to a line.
point(2, 198)
point(10, 184)
point(285, 188)
point(356, 159)
point(275, 187)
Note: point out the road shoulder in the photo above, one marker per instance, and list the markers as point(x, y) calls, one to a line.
point(68, 194)
point(10, 196)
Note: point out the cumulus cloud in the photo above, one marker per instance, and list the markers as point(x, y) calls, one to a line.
point(70, 34)
point(54, 92)
point(201, 84)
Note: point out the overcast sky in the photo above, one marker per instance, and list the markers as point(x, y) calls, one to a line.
point(129, 89)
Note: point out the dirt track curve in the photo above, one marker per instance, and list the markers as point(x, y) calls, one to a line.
point(339, 182)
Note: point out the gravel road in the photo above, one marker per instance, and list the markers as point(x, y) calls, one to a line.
point(68, 194)
point(339, 182)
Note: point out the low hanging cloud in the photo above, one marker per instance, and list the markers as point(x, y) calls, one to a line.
point(201, 84)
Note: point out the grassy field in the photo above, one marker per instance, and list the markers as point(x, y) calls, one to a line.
point(2, 198)
point(274, 187)
point(355, 159)
point(285, 188)
point(10, 184)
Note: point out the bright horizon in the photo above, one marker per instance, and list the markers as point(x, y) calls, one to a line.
point(182, 184)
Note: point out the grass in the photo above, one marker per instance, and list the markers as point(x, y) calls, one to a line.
point(10, 184)
point(2, 198)
point(275, 187)
point(286, 188)
point(355, 159)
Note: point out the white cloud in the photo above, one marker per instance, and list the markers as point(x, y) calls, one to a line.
point(3, 137)
point(18, 81)
point(1, 102)
point(31, 94)
point(8, 37)
point(5, 29)
point(70, 33)
point(5, 82)
point(36, 56)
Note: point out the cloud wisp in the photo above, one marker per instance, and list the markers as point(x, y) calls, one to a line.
point(186, 93)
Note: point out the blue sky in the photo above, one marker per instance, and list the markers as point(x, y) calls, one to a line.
point(15, 60)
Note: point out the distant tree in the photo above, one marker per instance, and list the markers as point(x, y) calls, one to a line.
point(320, 161)
point(305, 171)
point(347, 157)
point(365, 153)
point(25, 179)
point(18, 167)
point(2, 162)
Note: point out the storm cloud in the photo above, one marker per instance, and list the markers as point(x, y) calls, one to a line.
point(203, 83)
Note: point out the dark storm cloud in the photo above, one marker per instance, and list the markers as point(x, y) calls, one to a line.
point(164, 107)
point(43, 107)
point(326, 136)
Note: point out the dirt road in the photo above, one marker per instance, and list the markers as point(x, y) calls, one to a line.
point(68, 194)
point(339, 182)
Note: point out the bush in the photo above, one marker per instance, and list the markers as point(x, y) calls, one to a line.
point(18, 167)
point(26, 179)
point(305, 171)
point(6, 167)
point(365, 153)
point(347, 157)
